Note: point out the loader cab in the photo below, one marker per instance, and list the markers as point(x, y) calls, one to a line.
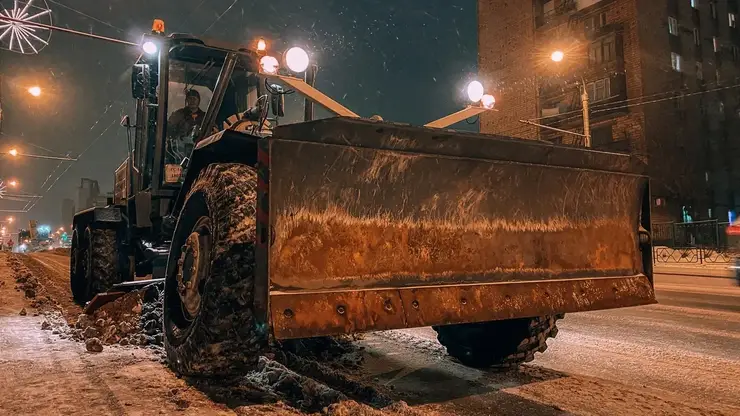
point(186, 91)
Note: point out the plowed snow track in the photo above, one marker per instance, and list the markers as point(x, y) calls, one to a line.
point(677, 358)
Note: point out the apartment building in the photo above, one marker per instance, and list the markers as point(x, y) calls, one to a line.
point(661, 77)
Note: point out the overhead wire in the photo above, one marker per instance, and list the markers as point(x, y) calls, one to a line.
point(72, 9)
point(677, 94)
point(74, 32)
point(66, 30)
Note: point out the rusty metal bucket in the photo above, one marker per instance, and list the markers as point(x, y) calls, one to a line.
point(379, 226)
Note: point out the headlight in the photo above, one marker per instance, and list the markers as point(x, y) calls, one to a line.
point(488, 101)
point(475, 91)
point(149, 47)
point(269, 64)
point(296, 59)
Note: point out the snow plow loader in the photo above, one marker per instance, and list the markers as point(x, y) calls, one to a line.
point(270, 232)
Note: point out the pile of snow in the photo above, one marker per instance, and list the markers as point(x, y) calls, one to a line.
point(133, 319)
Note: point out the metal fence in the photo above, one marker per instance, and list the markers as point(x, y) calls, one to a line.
point(692, 242)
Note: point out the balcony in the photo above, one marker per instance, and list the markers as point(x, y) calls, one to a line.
point(563, 109)
point(553, 10)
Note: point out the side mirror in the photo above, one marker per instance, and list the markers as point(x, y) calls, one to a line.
point(277, 101)
point(140, 81)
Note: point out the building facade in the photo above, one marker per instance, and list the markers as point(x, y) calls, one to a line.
point(662, 80)
point(68, 211)
point(87, 194)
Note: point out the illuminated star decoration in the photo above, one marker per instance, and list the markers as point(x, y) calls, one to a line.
point(2, 189)
point(23, 37)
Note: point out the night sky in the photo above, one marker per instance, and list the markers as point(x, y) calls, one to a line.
point(405, 60)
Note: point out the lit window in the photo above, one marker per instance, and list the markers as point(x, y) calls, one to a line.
point(673, 26)
point(693, 4)
point(731, 16)
point(715, 43)
point(699, 71)
point(697, 37)
point(676, 61)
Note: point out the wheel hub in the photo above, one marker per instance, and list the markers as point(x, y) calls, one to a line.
point(193, 268)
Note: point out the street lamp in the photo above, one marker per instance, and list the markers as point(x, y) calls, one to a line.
point(13, 183)
point(558, 56)
point(10, 220)
point(35, 91)
point(15, 153)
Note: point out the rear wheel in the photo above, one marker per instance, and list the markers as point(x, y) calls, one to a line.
point(93, 263)
point(77, 268)
point(208, 303)
point(498, 344)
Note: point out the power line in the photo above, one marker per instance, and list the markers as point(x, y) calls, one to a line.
point(621, 104)
point(86, 15)
point(220, 16)
point(65, 30)
point(78, 158)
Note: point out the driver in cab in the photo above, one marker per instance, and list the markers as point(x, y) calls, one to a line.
point(183, 121)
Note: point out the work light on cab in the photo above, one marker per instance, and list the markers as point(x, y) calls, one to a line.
point(475, 91)
point(149, 47)
point(269, 64)
point(296, 59)
point(488, 101)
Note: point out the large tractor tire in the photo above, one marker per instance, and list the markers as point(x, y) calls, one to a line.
point(209, 288)
point(501, 345)
point(93, 263)
point(77, 268)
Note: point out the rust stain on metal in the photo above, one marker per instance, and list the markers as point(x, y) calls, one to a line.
point(388, 165)
point(330, 249)
point(315, 313)
point(383, 218)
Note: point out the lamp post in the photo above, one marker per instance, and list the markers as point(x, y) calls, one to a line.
point(558, 56)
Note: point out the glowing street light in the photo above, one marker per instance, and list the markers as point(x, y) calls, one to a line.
point(10, 220)
point(35, 91)
point(15, 153)
point(557, 56)
point(13, 183)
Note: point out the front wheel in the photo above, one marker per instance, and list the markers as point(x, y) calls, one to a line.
point(208, 316)
point(498, 344)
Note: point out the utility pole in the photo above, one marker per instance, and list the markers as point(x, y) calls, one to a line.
point(586, 119)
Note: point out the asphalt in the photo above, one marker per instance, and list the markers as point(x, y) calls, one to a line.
point(679, 357)
point(686, 349)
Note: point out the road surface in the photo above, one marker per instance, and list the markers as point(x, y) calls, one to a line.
point(679, 357)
